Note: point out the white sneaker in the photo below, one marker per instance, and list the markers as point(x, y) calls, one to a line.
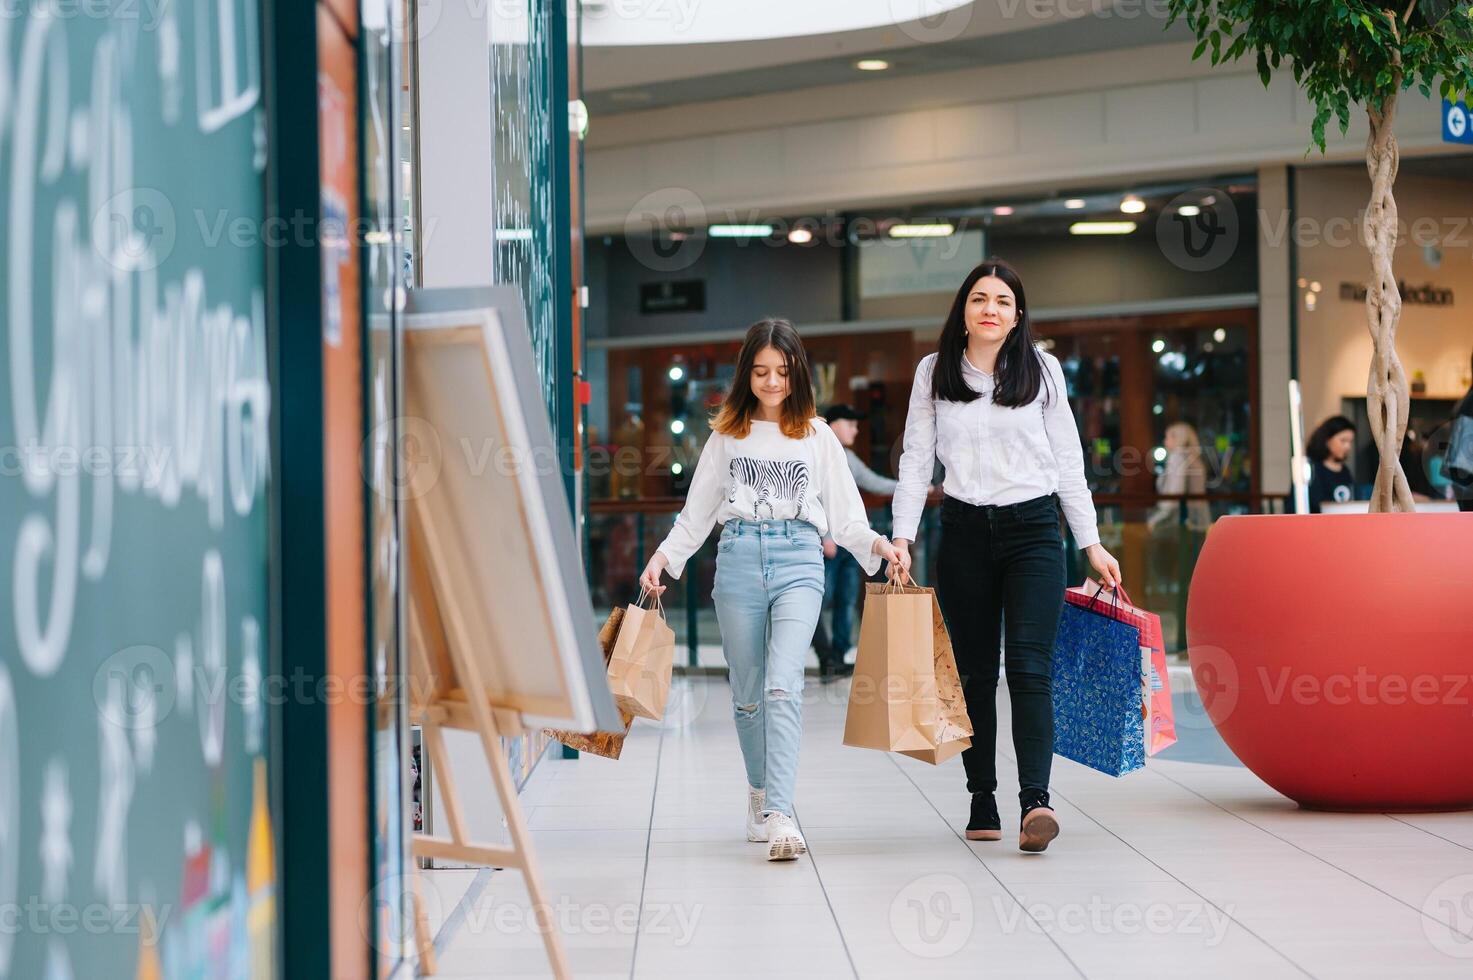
point(787, 842)
point(756, 819)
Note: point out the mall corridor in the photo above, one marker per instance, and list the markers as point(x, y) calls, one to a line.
point(1192, 867)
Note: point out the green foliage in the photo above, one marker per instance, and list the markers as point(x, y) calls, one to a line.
point(1342, 52)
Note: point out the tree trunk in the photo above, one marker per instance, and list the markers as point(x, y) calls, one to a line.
point(1388, 399)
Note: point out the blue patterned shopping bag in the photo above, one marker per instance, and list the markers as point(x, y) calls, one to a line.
point(1097, 692)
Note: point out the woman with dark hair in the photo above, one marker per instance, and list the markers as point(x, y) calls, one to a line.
point(776, 478)
point(1329, 448)
point(993, 408)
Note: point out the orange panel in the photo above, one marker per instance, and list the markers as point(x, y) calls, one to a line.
point(342, 363)
point(345, 12)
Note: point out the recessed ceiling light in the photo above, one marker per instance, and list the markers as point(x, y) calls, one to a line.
point(800, 236)
point(1188, 210)
point(1132, 205)
point(872, 64)
point(1002, 210)
point(1074, 203)
point(1102, 228)
point(935, 229)
point(1219, 335)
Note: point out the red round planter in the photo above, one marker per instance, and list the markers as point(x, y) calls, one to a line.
point(1334, 653)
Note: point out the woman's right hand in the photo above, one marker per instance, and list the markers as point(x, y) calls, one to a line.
point(900, 569)
point(649, 580)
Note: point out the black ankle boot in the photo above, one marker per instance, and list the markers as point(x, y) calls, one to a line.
point(985, 823)
point(1039, 825)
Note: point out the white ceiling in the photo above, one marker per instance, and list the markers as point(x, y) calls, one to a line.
point(608, 23)
point(630, 77)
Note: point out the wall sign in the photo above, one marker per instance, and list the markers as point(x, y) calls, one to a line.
point(1423, 295)
point(688, 296)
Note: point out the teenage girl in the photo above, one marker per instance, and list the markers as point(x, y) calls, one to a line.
point(992, 407)
point(776, 478)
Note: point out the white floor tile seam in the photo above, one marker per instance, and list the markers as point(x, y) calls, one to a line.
point(649, 835)
point(1465, 932)
point(903, 818)
point(1227, 912)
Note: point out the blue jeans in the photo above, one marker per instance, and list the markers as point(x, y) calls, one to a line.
point(841, 575)
point(768, 592)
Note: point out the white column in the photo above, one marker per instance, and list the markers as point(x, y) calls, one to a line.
point(455, 172)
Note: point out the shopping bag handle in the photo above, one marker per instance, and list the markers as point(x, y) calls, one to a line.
point(896, 584)
point(1125, 596)
point(1116, 595)
point(655, 604)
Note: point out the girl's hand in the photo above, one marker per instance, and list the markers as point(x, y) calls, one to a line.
point(649, 581)
point(1104, 565)
point(897, 553)
point(830, 550)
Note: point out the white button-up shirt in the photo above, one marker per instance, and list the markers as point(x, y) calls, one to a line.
point(994, 454)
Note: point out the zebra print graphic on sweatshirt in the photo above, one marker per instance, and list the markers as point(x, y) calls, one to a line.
point(769, 480)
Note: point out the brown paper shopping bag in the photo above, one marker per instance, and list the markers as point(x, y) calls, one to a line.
point(644, 655)
point(906, 695)
point(607, 744)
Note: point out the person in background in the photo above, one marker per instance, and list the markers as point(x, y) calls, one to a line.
point(1185, 472)
point(841, 572)
point(1329, 449)
point(1460, 450)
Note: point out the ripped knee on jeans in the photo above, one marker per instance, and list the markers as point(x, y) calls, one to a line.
point(778, 694)
point(747, 710)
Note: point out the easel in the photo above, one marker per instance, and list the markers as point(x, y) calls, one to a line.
point(442, 671)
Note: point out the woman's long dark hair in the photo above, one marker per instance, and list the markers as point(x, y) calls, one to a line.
point(735, 417)
point(1019, 369)
point(1319, 442)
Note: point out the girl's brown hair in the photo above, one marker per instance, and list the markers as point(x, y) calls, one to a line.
point(735, 417)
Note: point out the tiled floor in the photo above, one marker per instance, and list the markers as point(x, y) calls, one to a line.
point(1190, 867)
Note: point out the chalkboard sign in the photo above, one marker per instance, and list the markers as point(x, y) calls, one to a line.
point(136, 836)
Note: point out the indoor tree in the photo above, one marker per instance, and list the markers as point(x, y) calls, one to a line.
point(1346, 53)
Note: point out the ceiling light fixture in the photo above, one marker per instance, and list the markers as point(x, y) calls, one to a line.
point(872, 64)
point(800, 236)
point(1102, 228)
point(934, 229)
point(739, 231)
point(1132, 205)
point(1074, 203)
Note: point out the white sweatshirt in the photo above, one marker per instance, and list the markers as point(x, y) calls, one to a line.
point(768, 476)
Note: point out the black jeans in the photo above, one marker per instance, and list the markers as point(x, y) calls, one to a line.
point(1004, 566)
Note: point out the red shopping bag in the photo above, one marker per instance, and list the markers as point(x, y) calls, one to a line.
point(1155, 682)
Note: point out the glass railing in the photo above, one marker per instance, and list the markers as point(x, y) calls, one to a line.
point(1156, 540)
